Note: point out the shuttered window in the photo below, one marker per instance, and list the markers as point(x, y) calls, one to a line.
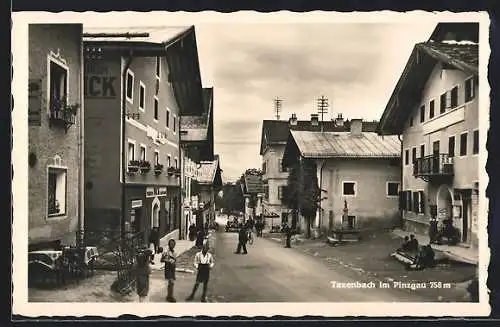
point(415, 202)
point(421, 202)
point(402, 200)
point(409, 203)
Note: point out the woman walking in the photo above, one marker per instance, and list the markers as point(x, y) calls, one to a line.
point(170, 258)
point(204, 262)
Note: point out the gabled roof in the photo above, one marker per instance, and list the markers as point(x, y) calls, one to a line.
point(345, 145)
point(456, 31)
point(276, 131)
point(157, 35)
point(253, 184)
point(196, 128)
point(408, 91)
point(210, 172)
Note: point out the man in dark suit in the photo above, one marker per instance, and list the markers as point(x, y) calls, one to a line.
point(242, 241)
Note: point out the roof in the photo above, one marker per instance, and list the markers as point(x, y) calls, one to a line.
point(208, 170)
point(195, 128)
point(253, 183)
point(157, 35)
point(407, 93)
point(346, 145)
point(276, 131)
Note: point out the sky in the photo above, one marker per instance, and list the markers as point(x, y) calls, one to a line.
point(249, 64)
point(356, 66)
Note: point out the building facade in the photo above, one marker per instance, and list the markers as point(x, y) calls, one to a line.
point(273, 140)
point(55, 112)
point(358, 174)
point(136, 91)
point(440, 131)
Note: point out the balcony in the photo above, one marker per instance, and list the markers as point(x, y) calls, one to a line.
point(433, 167)
point(62, 114)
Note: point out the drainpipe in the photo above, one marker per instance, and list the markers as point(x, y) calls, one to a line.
point(124, 146)
point(401, 174)
point(81, 151)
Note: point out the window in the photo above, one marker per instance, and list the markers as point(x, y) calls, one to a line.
point(130, 86)
point(443, 104)
point(143, 152)
point(422, 150)
point(280, 192)
point(463, 144)
point(411, 121)
point(174, 121)
point(470, 91)
point(176, 163)
point(56, 192)
point(454, 97)
point(58, 80)
point(431, 109)
point(451, 146)
point(413, 155)
point(407, 157)
point(392, 189)
point(167, 123)
point(169, 161)
point(142, 96)
point(422, 113)
point(157, 158)
point(156, 109)
point(418, 202)
point(409, 203)
point(158, 65)
point(475, 142)
point(264, 167)
point(131, 151)
point(349, 188)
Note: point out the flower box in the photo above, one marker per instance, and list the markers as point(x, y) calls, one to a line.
point(171, 171)
point(158, 169)
point(133, 166)
point(144, 166)
point(62, 113)
point(177, 172)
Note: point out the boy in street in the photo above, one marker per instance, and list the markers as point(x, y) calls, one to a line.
point(142, 272)
point(204, 262)
point(170, 258)
point(242, 241)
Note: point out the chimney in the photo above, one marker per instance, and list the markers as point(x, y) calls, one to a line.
point(314, 120)
point(293, 120)
point(356, 126)
point(339, 121)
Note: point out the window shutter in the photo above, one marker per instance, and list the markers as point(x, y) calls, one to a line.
point(422, 202)
point(402, 200)
point(410, 203)
point(448, 100)
point(415, 202)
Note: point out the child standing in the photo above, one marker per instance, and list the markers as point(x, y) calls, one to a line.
point(203, 261)
point(170, 258)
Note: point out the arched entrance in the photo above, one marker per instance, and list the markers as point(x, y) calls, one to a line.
point(444, 203)
point(155, 213)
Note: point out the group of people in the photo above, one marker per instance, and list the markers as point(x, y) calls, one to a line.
point(198, 233)
point(448, 234)
point(203, 262)
point(424, 256)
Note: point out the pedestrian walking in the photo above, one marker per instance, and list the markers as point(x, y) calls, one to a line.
point(288, 234)
point(142, 272)
point(200, 237)
point(242, 241)
point(204, 262)
point(154, 242)
point(170, 259)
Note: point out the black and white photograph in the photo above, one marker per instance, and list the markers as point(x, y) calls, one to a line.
point(250, 164)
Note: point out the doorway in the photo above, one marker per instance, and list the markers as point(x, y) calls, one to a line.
point(435, 157)
point(467, 205)
point(135, 219)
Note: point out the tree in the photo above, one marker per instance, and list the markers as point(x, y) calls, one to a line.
point(232, 198)
point(303, 194)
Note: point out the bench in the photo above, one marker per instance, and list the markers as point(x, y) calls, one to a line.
point(344, 236)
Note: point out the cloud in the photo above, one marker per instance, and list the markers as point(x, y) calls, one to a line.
point(355, 65)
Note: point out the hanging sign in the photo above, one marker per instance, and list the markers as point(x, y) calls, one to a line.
point(136, 203)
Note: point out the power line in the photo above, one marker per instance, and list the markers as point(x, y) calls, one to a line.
point(322, 108)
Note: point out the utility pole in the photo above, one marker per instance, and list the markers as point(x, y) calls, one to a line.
point(277, 107)
point(322, 108)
